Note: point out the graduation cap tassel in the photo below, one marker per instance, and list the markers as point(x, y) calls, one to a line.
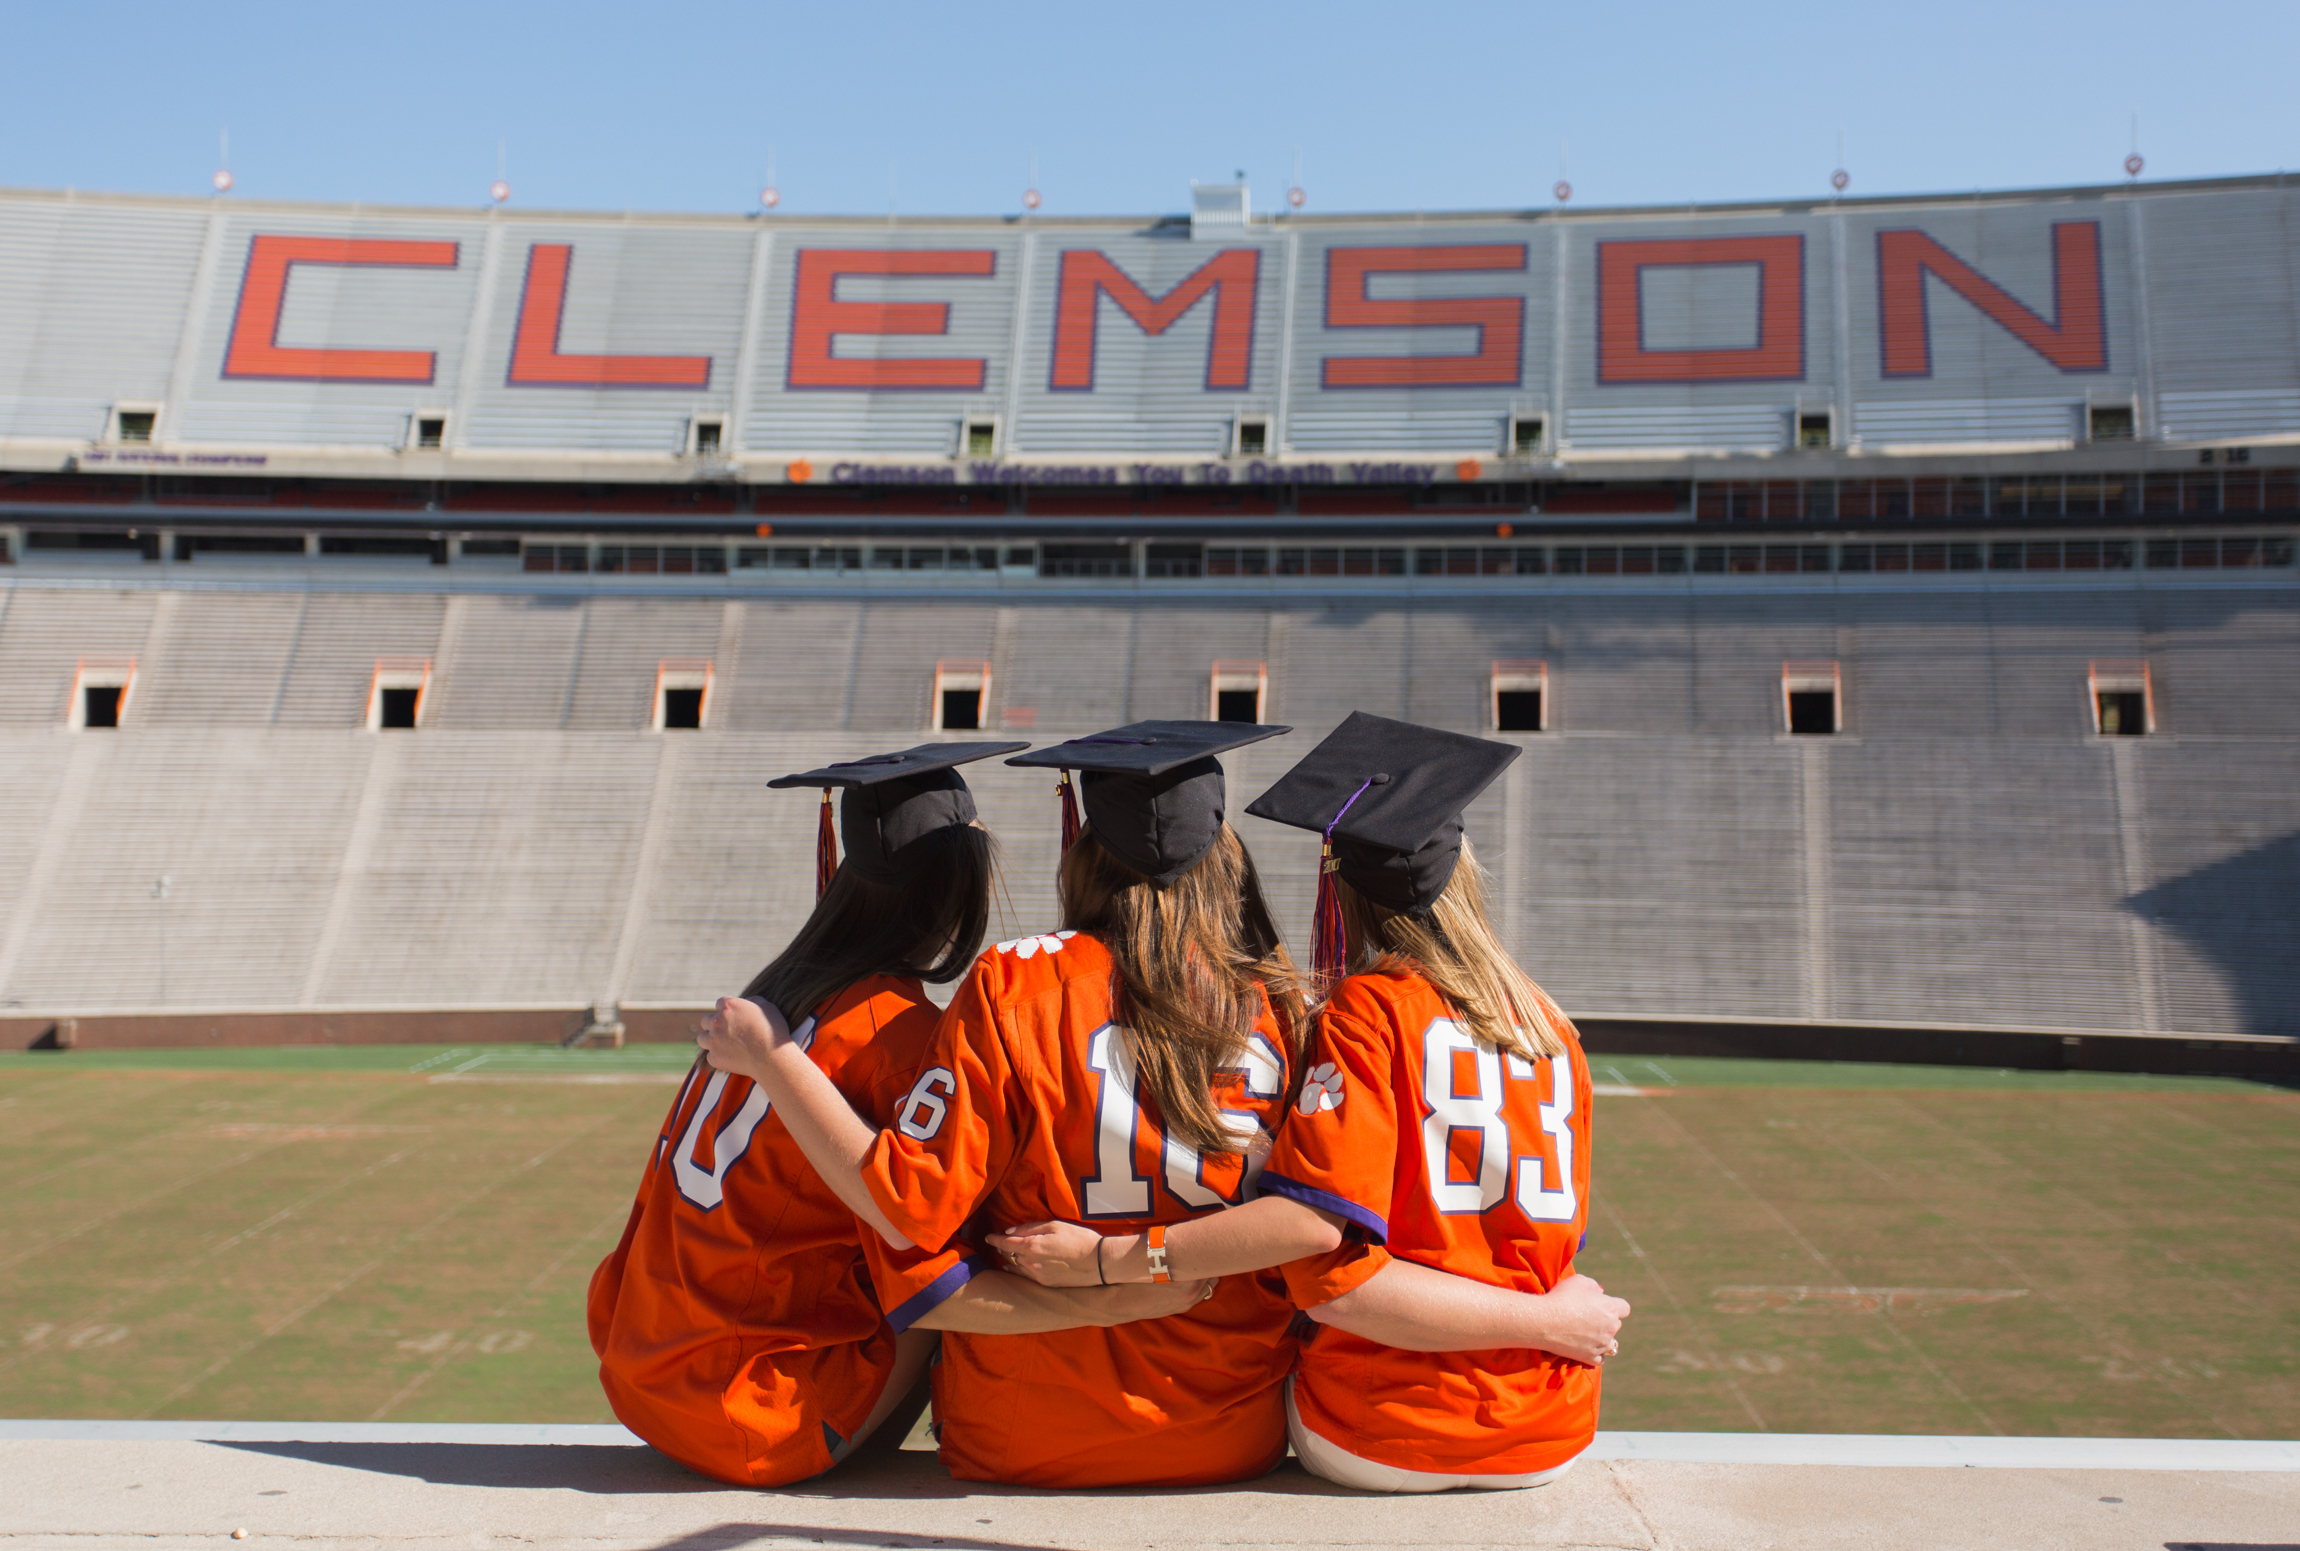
point(1069, 811)
point(1326, 945)
point(826, 848)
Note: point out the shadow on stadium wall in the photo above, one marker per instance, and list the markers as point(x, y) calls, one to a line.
point(2243, 915)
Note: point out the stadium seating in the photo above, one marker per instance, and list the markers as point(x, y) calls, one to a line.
point(1968, 852)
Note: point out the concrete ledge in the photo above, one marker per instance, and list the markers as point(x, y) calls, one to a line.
point(411, 1487)
point(1851, 1449)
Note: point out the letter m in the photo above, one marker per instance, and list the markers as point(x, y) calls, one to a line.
point(1088, 275)
point(2076, 340)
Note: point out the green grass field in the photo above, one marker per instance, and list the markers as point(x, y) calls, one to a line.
point(405, 1233)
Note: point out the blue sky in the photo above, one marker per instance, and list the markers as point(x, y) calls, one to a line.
point(939, 108)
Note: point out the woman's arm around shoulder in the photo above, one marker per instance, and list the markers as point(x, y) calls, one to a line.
point(1417, 1309)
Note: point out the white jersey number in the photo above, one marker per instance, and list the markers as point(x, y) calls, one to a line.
point(928, 1105)
point(1114, 1189)
point(1462, 1084)
point(707, 1187)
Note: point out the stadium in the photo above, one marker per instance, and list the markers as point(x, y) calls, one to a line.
point(1895, 600)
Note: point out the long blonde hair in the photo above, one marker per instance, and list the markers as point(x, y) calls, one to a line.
point(1194, 960)
point(1458, 952)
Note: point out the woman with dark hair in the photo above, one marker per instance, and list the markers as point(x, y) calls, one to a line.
point(1125, 1069)
point(1429, 1189)
point(738, 1322)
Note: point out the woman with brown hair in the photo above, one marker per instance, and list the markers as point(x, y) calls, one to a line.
point(738, 1322)
point(1429, 1189)
point(1124, 1070)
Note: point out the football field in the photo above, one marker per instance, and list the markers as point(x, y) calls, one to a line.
point(405, 1234)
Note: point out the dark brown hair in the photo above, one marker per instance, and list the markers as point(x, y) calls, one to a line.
point(938, 908)
point(1194, 959)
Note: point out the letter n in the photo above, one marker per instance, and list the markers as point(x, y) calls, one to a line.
point(2075, 340)
point(1088, 275)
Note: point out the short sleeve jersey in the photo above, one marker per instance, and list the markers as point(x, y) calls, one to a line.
point(739, 1315)
point(1457, 1156)
point(1027, 1108)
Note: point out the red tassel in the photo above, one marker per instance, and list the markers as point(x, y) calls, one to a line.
point(1069, 811)
point(1327, 946)
point(826, 848)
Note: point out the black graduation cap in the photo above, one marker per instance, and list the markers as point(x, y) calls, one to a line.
point(1388, 797)
point(891, 800)
point(1153, 789)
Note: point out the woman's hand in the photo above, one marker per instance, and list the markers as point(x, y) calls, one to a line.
point(738, 1035)
point(1586, 1323)
point(1057, 1254)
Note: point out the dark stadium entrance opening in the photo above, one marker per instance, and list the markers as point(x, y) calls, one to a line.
point(1237, 705)
point(961, 710)
point(2123, 713)
point(682, 708)
point(398, 705)
point(1812, 711)
point(100, 704)
point(1517, 710)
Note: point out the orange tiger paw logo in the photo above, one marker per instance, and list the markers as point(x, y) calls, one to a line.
point(1322, 1089)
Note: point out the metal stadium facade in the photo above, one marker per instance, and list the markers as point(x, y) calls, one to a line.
point(1896, 599)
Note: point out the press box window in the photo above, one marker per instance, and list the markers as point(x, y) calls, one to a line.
point(705, 438)
point(2111, 423)
point(2123, 699)
point(1252, 436)
point(1237, 691)
point(682, 693)
point(395, 693)
point(1525, 435)
point(1814, 431)
point(1812, 698)
point(1520, 696)
point(134, 423)
point(961, 692)
point(100, 689)
point(978, 438)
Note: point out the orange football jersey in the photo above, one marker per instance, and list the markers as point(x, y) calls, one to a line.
point(1026, 1108)
point(737, 1320)
point(1459, 1157)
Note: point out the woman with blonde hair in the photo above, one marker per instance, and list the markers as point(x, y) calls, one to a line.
point(1125, 1070)
point(1427, 1193)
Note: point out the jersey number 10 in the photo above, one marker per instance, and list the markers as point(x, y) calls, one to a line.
point(1115, 1189)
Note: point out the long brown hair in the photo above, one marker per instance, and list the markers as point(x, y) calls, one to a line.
point(939, 905)
point(1194, 960)
point(1458, 952)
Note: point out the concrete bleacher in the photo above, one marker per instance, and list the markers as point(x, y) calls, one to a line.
point(1967, 853)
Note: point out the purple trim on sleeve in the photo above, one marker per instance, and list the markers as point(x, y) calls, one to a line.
point(1274, 1184)
point(924, 1302)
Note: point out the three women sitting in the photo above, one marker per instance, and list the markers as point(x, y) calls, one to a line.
point(1143, 1096)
